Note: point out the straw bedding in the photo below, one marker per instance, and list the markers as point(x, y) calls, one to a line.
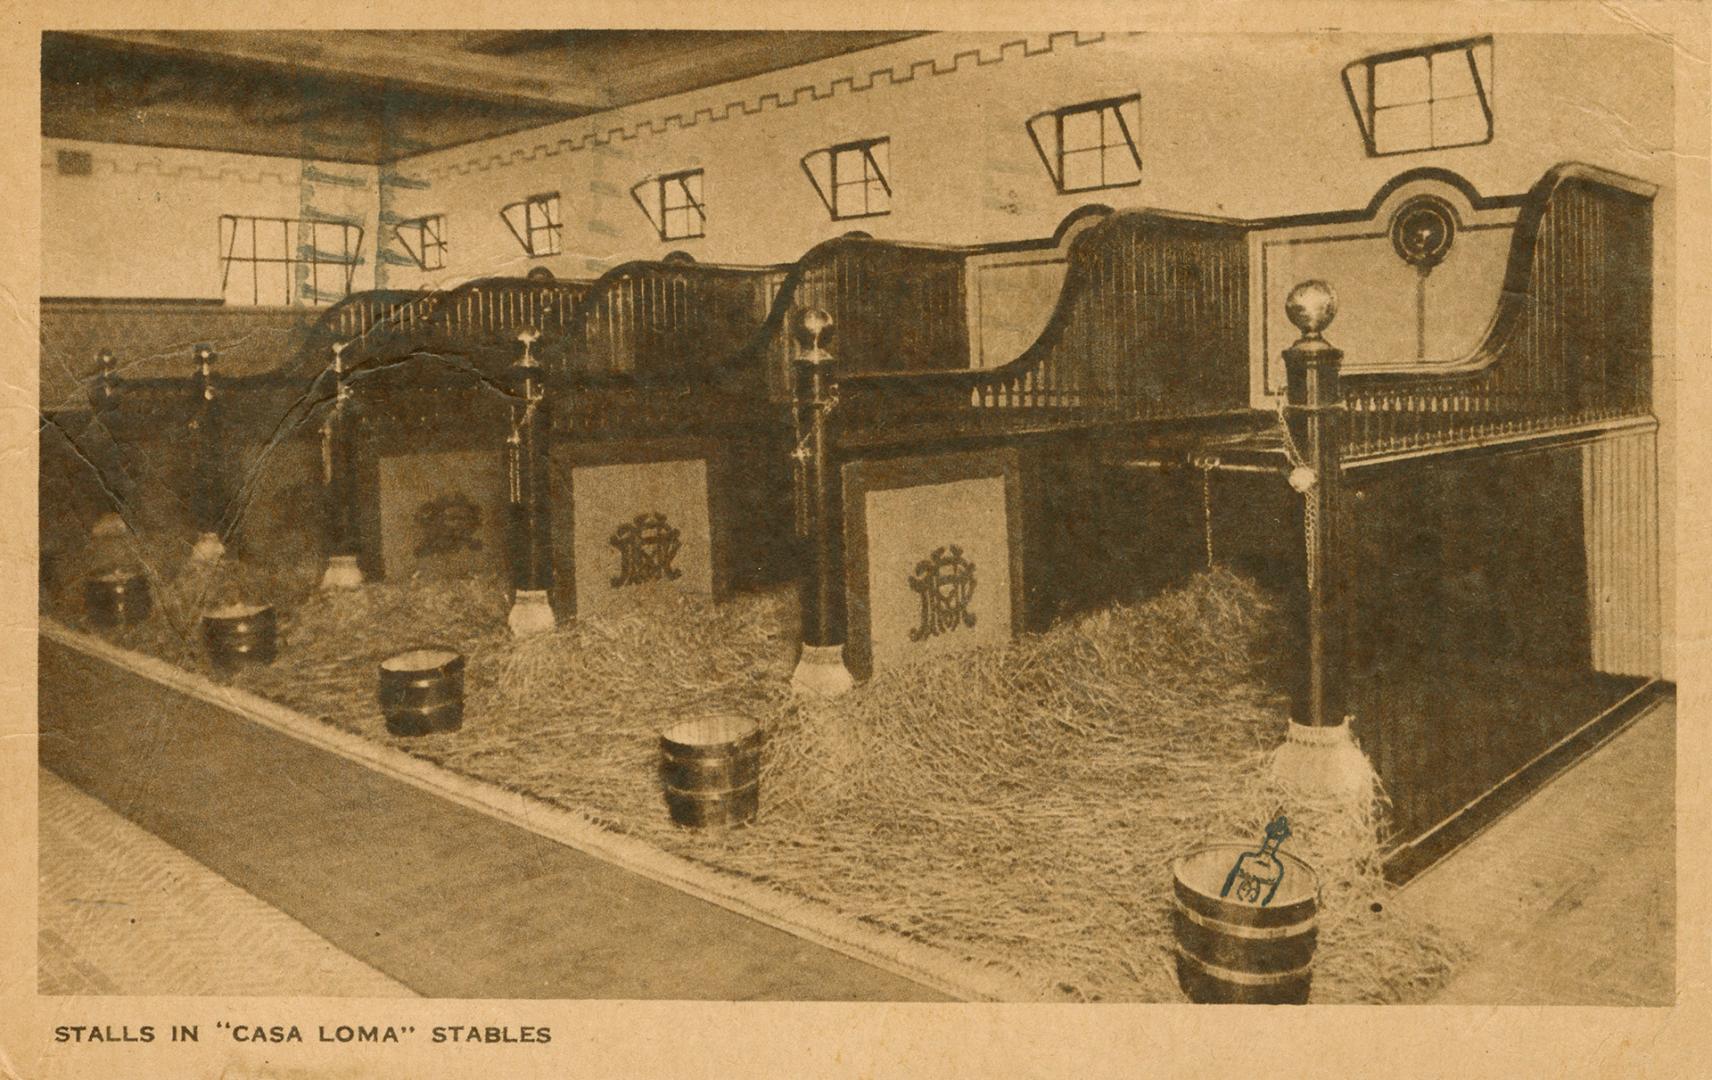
point(1018, 806)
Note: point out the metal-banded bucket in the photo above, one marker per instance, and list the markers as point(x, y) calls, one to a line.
point(240, 634)
point(422, 691)
point(711, 770)
point(1232, 952)
point(117, 597)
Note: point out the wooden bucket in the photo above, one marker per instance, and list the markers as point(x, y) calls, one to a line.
point(711, 770)
point(240, 634)
point(422, 691)
point(1231, 952)
point(117, 597)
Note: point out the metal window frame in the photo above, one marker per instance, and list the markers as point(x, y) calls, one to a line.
point(660, 184)
point(309, 255)
point(829, 198)
point(1054, 161)
point(420, 253)
point(1365, 113)
point(553, 229)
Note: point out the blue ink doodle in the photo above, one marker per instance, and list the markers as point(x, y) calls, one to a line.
point(1259, 872)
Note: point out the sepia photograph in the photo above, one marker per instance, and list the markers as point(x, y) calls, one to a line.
point(667, 514)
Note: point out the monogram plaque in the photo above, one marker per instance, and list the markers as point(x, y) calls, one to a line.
point(446, 525)
point(646, 547)
point(945, 582)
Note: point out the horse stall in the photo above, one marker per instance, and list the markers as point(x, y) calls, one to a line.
point(1460, 516)
point(1472, 555)
point(896, 503)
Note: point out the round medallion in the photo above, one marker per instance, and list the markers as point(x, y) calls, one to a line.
point(1422, 231)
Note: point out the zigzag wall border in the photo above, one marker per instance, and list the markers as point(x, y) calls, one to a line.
point(193, 171)
point(886, 76)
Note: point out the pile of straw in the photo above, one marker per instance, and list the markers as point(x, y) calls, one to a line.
point(1018, 805)
point(181, 588)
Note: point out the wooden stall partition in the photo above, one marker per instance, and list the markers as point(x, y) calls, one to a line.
point(897, 307)
point(1149, 330)
point(433, 487)
point(1012, 288)
point(416, 414)
point(1570, 343)
point(152, 339)
point(1503, 617)
point(640, 513)
point(1151, 324)
point(672, 320)
point(1495, 557)
point(181, 454)
point(934, 553)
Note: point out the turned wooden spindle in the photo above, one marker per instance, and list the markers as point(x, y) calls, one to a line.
point(209, 496)
point(820, 497)
point(1319, 750)
point(339, 492)
point(528, 471)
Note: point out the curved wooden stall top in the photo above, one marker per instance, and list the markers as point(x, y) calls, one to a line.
point(1151, 324)
point(728, 328)
point(1569, 344)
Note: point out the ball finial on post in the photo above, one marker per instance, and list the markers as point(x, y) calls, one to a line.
point(1311, 306)
point(814, 329)
point(529, 336)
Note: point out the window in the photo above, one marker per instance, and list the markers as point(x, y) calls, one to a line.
point(851, 178)
point(424, 240)
point(535, 223)
point(1425, 98)
point(1092, 145)
point(287, 261)
point(674, 204)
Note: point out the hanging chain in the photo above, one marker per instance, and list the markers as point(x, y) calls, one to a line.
point(514, 468)
point(327, 452)
point(342, 394)
point(520, 419)
point(1303, 480)
point(804, 452)
point(1207, 465)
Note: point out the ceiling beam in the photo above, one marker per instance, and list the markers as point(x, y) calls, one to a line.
point(392, 59)
point(675, 66)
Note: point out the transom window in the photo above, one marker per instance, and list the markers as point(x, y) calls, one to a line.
point(536, 224)
point(1089, 146)
point(852, 178)
point(268, 261)
point(424, 240)
point(1424, 98)
point(673, 203)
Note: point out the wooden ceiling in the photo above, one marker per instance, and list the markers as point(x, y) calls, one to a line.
point(374, 96)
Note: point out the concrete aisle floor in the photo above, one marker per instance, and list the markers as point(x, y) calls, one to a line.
point(447, 900)
point(1571, 899)
point(122, 912)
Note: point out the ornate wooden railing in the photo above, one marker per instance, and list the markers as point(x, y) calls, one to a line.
point(898, 307)
point(664, 320)
point(1570, 343)
point(1152, 323)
